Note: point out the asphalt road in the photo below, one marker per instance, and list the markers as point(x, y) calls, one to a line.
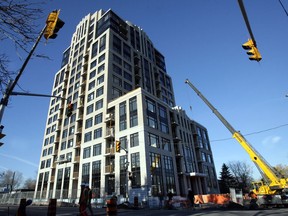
point(73, 211)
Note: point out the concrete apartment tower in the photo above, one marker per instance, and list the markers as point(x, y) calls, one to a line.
point(121, 93)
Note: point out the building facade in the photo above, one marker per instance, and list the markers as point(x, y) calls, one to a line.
point(117, 83)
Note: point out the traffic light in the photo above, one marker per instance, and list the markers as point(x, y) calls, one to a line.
point(54, 23)
point(254, 54)
point(1, 134)
point(69, 109)
point(130, 176)
point(118, 146)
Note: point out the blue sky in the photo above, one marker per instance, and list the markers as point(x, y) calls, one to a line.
point(201, 41)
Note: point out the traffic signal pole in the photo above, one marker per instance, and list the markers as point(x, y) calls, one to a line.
point(12, 84)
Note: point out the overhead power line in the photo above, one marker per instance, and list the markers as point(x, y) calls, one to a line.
point(283, 7)
point(249, 134)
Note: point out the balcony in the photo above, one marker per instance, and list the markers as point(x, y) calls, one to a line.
point(174, 124)
point(109, 169)
point(76, 159)
point(109, 117)
point(75, 175)
point(109, 133)
point(110, 151)
point(77, 145)
point(176, 139)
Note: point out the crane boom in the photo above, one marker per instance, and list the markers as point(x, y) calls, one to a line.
point(275, 184)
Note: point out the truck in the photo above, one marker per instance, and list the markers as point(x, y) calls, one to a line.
point(272, 189)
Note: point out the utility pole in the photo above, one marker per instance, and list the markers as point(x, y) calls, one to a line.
point(52, 26)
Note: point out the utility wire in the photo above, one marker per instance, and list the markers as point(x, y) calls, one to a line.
point(249, 134)
point(283, 7)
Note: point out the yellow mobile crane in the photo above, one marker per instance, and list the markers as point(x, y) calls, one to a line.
point(273, 189)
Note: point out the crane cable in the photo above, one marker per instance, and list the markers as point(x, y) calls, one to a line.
point(257, 132)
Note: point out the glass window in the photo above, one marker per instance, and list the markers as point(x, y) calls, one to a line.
point(86, 152)
point(89, 109)
point(100, 80)
point(98, 119)
point(153, 140)
point(99, 91)
point(98, 133)
point(88, 136)
point(89, 123)
point(97, 149)
point(134, 140)
point(99, 104)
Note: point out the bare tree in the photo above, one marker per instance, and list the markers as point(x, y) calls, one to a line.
point(17, 24)
point(243, 173)
point(11, 179)
point(29, 184)
point(282, 170)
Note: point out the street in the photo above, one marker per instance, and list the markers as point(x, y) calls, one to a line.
point(73, 211)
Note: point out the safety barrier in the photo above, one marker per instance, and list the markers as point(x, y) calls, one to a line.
point(111, 208)
point(219, 199)
point(52, 207)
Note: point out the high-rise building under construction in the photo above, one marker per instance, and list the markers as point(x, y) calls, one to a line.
point(124, 136)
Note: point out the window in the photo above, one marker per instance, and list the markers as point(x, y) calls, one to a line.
point(153, 140)
point(98, 119)
point(89, 109)
point(90, 97)
point(91, 85)
point(128, 76)
point(127, 86)
point(117, 44)
point(89, 123)
point(166, 145)
point(96, 175)
point(99, 91)
point(116, 92)
point(93, 64)
point(151, 107)
point(134, 140)
point(102, 43)
point(70, 143)
point(117, 70)
point(98, 133)
point(117, 59)
point(133, 112)
point(63, 145)
point(100, 80)
point(92, 74)
point(136, 173)
point(101, 58)
point(88, 136)
point(169, 174)
point(50, 150)
point(99, 104)
point(86, 152)
point(48, 163)
point(85, 172)
point(71, 130)
point(117, 81)
point(101, 68)
point(97, 149)
point(152, 122)
point(94, 49)
point(123, 141)
point(122, 113)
